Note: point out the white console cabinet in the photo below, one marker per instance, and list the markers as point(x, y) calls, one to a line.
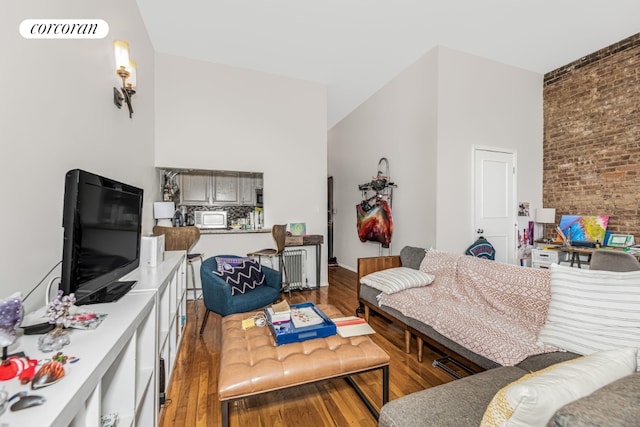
point(168, 283)
point(543, 258)
point(117, 370)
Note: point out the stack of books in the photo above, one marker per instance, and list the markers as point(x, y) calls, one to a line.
point(352, 326)
point(280, 312)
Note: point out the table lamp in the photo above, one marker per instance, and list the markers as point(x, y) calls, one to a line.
point(163, 212)
point(545, 216)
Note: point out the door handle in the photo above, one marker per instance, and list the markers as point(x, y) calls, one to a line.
point(479, 231)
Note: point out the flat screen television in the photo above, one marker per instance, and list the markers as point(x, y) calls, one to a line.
point(102, 222)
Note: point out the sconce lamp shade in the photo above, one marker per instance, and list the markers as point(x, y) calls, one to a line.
point(126, 69)
point(121, 49)
point(546, 215)
point(133, 73)
point(163, 210)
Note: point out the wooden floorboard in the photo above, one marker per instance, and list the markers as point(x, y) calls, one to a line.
point(192, 399)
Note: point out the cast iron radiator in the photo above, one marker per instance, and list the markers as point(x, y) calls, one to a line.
point(295, 262)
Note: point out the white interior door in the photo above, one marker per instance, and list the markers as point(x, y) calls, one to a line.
point(494, 206)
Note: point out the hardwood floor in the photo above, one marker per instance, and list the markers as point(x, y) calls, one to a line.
point(192, 399)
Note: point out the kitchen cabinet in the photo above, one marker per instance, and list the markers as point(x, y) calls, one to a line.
point(226, 188)
point(247, 189)
point(210, 188)
point(195, 188)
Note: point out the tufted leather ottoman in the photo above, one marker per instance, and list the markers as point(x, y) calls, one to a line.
point(251, 363)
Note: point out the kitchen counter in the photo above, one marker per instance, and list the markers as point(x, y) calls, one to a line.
point(232, 231)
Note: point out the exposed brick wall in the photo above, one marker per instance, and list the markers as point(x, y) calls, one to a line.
point(592, 137)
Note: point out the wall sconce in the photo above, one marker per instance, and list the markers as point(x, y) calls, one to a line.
point(126, 69)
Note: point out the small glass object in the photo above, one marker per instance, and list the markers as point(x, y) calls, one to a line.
point(54, 340)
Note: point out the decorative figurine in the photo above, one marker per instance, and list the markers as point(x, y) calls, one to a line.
point(11, 314)
point(49, 373)
point(15, 366)
point(60, 315)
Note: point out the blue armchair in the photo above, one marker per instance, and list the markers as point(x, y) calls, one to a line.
point(217, 297)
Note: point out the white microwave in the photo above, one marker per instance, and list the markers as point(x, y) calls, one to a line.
point(210, 219)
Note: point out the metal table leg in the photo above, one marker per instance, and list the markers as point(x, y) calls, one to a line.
point(318, 265)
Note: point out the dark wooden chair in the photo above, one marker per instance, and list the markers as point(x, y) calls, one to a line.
point(279, 233)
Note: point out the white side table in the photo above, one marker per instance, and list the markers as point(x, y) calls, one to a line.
point(543, 258)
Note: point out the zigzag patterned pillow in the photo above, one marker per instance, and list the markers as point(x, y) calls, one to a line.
point(244, 277)
point(227, 263)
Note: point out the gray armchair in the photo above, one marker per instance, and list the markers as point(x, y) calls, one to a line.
point(613, 260)
point(217, 297)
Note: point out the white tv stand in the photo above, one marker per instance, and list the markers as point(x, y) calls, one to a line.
point(118, 370)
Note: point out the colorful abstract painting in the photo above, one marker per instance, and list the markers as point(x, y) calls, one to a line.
point(298, 228)
point(581, 228)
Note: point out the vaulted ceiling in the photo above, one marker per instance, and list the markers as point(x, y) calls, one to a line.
point(355, 46)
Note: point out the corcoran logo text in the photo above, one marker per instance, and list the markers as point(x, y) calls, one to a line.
point(64, 28)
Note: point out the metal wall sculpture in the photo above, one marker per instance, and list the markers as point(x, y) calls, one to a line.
point(374, 218)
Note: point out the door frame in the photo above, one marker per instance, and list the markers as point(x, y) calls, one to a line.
point(513, 257)
point(330, 210)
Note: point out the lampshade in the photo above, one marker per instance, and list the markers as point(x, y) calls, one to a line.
point(163, 210)
point(546, 215)
point(121, 49)
point(133, 73)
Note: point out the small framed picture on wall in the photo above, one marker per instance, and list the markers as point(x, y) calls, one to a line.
point(523, 209)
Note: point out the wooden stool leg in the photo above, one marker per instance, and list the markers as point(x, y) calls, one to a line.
point(204, 321)
point(367, 312)
point(407, 341)
point(420, 348)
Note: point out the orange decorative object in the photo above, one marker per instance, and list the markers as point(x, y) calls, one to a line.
point(48, 374)
point(23, 367)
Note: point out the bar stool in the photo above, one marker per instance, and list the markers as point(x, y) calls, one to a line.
point(183, 239)
point(279, 234)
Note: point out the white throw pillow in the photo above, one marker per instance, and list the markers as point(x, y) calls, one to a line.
point(397, 279)
point(592, 310)
point(533, 399)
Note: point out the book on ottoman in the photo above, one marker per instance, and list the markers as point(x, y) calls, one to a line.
point(279, 313)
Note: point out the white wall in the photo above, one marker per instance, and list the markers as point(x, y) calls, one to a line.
point(398, 123)
point(57, 114)
point(482, 102)
point(426, 121)
point(211, 116)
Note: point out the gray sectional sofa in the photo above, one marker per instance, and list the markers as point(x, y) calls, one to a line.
point(412, 257)
point(464, 401)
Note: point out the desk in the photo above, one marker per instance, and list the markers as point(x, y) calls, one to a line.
point(575, 252)
point(309, 240)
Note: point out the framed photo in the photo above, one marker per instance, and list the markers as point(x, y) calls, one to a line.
point(523, 209)
point(298, 228)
